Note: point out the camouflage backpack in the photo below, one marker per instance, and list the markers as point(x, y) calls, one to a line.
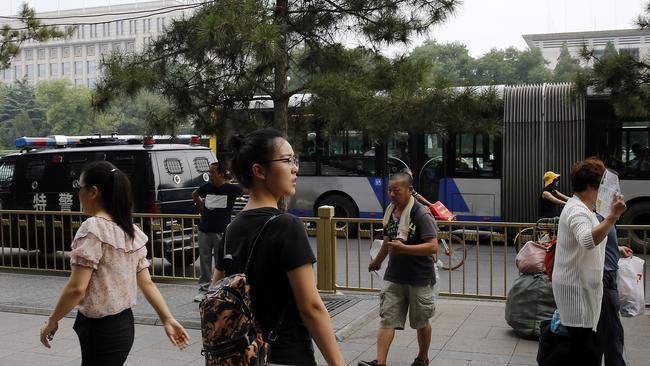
point(231, 335)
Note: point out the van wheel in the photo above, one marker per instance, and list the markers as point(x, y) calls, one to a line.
point(345, 208)
point(638, 214)
point(178, 256)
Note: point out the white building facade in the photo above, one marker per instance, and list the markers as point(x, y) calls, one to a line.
point(123, 28)
point(634, 41)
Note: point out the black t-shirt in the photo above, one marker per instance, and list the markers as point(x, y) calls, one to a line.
point(546, 207)
point(412, 269)
point(282, 247)
point(218, 203)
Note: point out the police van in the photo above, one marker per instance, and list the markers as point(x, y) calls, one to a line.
point(44, 176)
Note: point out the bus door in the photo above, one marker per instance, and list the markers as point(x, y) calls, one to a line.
point(431, 171)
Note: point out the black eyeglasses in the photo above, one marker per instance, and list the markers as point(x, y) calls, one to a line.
point(292, 160)
point(78, 188)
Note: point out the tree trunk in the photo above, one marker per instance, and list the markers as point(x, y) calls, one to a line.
point(281, 85)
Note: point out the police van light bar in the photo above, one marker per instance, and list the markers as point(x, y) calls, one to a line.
point(50, 141)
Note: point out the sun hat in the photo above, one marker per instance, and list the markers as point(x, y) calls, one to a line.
point(549, 177)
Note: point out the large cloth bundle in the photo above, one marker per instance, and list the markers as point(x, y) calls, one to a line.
point(530, 301)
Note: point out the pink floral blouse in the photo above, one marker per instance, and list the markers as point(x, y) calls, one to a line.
point(102, 245)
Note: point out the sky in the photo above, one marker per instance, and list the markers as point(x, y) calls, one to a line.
point(479, 24)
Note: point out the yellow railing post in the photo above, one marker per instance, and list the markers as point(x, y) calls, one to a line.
point(325, 250)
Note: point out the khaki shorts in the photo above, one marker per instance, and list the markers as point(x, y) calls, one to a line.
point(396, 300)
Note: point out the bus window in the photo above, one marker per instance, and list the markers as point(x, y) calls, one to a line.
point(347, 153)
point(635, 149)
point(475, 156)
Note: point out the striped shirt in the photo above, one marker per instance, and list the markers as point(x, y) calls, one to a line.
point(578, 268)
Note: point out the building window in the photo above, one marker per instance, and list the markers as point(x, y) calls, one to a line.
point(117, 46)
point(7, 74)
point(90, 66)
point(90, 50)
point(78, 68)
point(66, 52)
point(41, 53)
point(18, 72)
point(101, 31)
point(54, 70)
point(78, 51)
point(130, 47)
point(107, 26)
point(29, 54)
point(53, 52)
point(135, 26)
point(41, 71)
point(103, 48)
point(29, 71)
point(91, 82)
point(66, 68)
point(82, 29)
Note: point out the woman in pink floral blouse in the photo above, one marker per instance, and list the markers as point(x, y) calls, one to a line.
point(108, 265)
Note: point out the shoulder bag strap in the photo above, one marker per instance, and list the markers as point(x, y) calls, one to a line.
point(259, 233)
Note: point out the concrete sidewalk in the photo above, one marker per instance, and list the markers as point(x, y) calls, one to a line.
point(465, 332)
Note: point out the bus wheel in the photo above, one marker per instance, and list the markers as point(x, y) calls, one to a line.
point(637, 214)
point(345, 208)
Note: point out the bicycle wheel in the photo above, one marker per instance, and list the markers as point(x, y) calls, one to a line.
point(452, 254)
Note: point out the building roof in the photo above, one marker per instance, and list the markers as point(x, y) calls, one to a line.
point(582, 37)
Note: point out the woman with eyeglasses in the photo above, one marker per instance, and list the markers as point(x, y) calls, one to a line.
point(284, 297)
point(108, 266)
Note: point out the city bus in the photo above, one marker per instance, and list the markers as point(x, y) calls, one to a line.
point(478, 176)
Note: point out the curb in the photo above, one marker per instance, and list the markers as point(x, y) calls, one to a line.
point(354, 325)
point(138, 319)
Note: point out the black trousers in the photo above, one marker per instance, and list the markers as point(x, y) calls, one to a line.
point(582, 347)
point(105, 341)
point(610, 328)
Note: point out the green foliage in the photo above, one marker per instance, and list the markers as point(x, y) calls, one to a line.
point(12, 38)
point(511, 66)
point(622, 76)
point(567, 67)
point(57, 107)
point(451, 63)
point(224, 54)
point(453, 66)
point(20, 112)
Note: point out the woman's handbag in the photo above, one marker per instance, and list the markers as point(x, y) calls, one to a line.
point(530, 258)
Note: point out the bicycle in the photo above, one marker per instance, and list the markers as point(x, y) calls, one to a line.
point(543, 226)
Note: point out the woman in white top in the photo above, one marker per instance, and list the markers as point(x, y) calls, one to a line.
point(108, 266)
point(578, 268)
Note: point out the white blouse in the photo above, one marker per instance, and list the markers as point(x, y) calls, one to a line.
point(578, 268)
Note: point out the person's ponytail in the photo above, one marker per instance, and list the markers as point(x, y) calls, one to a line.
point(116, 192)
point(121, 205)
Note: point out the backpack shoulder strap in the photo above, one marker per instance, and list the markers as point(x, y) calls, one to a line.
point(259, 234)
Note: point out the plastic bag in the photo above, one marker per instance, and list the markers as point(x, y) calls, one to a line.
point(630, 286)
point(436, 270)
point(374, 250)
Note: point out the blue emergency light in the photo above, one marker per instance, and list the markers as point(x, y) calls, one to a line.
point(50, 141)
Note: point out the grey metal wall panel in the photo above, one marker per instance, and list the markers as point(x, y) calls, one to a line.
point(543, 130)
